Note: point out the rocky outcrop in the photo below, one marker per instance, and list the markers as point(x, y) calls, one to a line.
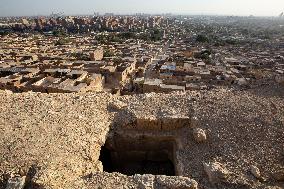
point(255, 171)
point(55, 139)
point(199, 135)
point(216, 172)
point(16, 182)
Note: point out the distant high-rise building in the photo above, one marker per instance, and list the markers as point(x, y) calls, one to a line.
point(40, 22)
point(109, 14)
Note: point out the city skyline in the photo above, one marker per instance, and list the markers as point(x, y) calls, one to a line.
point(87, 7)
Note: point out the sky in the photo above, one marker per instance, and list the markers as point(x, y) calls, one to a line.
point(192, 7)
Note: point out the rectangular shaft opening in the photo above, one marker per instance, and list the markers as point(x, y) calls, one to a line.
point(138, 155)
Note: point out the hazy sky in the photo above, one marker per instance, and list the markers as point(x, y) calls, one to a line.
point(221, 7)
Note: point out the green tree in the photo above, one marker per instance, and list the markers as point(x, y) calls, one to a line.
point(202, 39)
point(62, 41)
point(108, 53)
point(59, 33)
point(4, 32)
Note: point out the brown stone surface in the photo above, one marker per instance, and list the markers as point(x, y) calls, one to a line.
point(55, 139)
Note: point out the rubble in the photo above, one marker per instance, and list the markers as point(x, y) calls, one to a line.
point(255, 171)
point(118, 105)
point(199, 135)
point(16, 183)
point(216, 172)
point(175, 183)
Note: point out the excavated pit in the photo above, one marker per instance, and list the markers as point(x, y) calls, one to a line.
point(139, 154)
